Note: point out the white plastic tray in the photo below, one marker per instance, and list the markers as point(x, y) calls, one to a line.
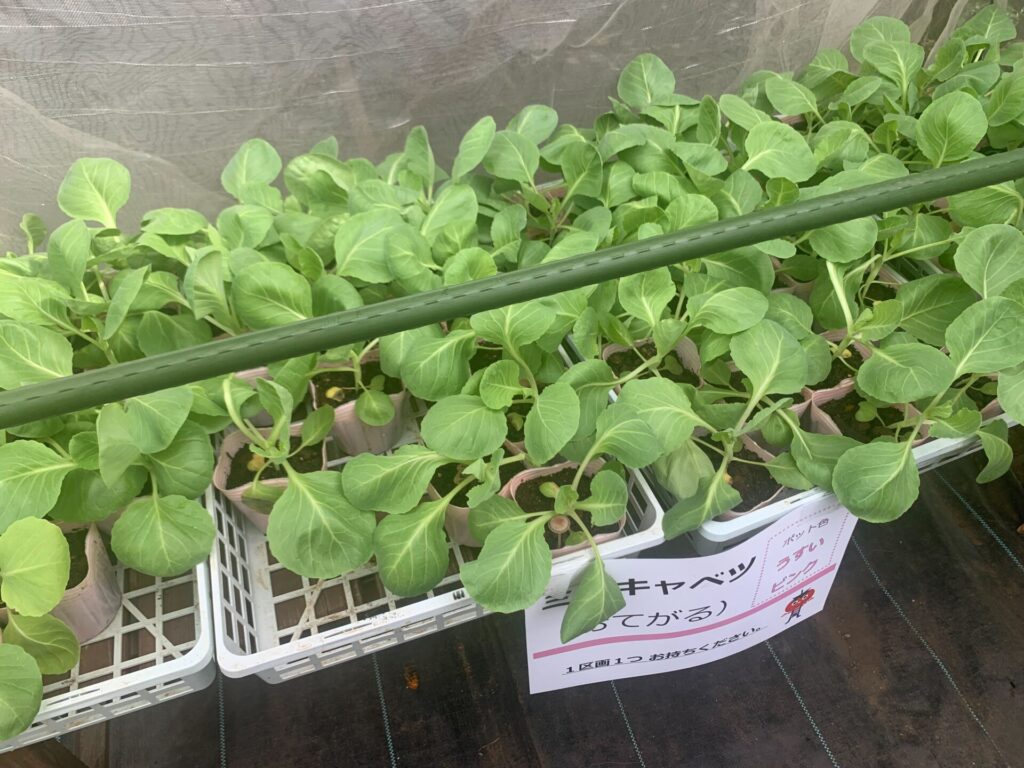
point(159, 647)
point(714, 536)
point(278, 625)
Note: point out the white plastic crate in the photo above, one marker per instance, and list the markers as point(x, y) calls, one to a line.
point(159, 647)
point(278, 625)
point(715, 536)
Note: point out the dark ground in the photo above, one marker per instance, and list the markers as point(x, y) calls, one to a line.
point(917, 660)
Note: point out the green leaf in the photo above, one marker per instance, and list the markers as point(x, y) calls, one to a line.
point(608, 497)
point(790, 97)
point(990, 258)
point(153, 420)
point(512, 156)
point(777, 150)
point(875, 29)
point(552, 422)
point(646, 295)
point(461, 427)
point(95, 189)
point(902, 373)
point(595, 598)
point(268, 295)
point(991, 24)
point(846, 241)
point(877, 481)
point(645, 81)
point(411, 549)
point(467, 265)
point(513, 567)
point(47, 639)
point(1011, 393)
point(21, 690)
point(117, 448)
point(740, 112)
point(174, 221)
point(185, 466)
point(664, 406)
point(33, 300)
point(474, 146)
point(455, 205)
point(1006, 103)
point(435, 368)
point(34, 566)
point(361, 245)
point(85, 498)
point(963, 423)
point(163, 535)
point(392, 484)
point(396, 347)
point(317, 425)
point(784, 471)
point(951, 127)
point(244, 226)
point(315, 531)
point(515, 325)
point(490, 513)
point(535, 121)
point(583, 171)
point(771, 358)
point(419, 157)
point(374, 408)
point(898, 60)
point(121, 302)
point(68, 253)
point(500, 384)
point(713, 497)
point(29, 355)
point(592, 380)
point(34, 229)
point(987, 336)
point(728, 311)
point(624, 434)
point(30, 478)
point(255, 163)
point(977, 207)
point(931, 303)
point(880, 321)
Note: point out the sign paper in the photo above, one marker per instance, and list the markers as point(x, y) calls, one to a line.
point(686, 612)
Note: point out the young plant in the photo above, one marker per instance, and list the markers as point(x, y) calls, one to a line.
point(313, 530)
point(34, 570)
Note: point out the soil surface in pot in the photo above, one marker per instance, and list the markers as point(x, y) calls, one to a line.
point(529, 497)
point(843, 414)
point(670, 368)
point(79, 563)
point(516, 418)
point(339, 387)
point(309, 459)
point(835, 376)
point(449, 475)
point(754, 483)
point(485, 356)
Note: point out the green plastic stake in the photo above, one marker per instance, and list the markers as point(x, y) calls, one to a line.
point(92, 388)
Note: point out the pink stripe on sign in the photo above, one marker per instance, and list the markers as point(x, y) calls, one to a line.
point(683, 632)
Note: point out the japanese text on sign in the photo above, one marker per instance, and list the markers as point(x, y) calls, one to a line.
point(684, 612)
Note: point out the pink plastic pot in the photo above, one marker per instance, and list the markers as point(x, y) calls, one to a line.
point(764, 455)
point(355, 437)
point(89, 606)
point(256, 510)
point(456, 518)
point(509, 492)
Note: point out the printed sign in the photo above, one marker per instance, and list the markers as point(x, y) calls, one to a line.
point(681, 613)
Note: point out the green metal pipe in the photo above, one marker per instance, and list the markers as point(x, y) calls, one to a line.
point(92, 388)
